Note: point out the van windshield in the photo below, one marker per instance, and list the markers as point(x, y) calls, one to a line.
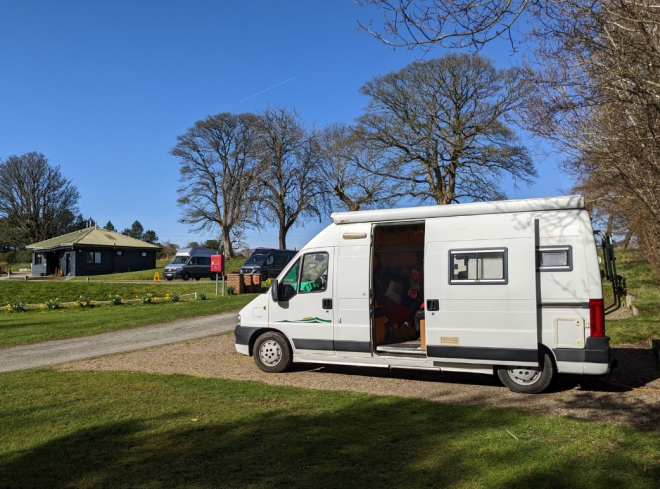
point(256, 259)
point(179, 260)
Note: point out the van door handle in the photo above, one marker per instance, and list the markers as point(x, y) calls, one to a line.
point(327, 303)
point(432, 305)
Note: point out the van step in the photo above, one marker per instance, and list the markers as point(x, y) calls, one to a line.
point(410, 348)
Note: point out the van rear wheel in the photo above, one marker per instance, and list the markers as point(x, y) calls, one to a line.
point(528, 380)
point(272, 352)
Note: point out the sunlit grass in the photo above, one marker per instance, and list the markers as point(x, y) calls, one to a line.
point(119, 429)
point(644, 285)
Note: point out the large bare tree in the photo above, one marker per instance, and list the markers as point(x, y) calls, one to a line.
point(36, 201)
point(444, 23)
point(291, 187)
point(348, 162)
point(597, 80)
point(441, 124)
point(218, 173)
point(599, 99)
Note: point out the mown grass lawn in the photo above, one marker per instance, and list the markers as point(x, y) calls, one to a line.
point(34, 326)
point(109, 429)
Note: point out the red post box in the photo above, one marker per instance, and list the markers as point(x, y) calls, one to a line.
point(216, 263)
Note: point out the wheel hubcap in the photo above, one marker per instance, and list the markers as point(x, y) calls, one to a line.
point(270, 353)
point(523, 375)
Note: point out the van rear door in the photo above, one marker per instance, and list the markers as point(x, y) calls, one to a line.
point(481, 290)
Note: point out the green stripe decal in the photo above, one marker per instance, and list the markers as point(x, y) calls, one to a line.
point(308, 320)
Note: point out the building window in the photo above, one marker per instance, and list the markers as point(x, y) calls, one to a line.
point(93, 257)
point(485, 266)
point(38, 259)
point(555, 259)
point(144, 253)
point(119, 253)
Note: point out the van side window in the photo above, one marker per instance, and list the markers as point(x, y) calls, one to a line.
point(555, 259)
point(485, 266)
point(314, 273)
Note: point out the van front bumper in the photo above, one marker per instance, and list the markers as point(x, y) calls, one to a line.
point(244, 335)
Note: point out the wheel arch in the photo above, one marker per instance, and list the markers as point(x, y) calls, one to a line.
point(258, 332)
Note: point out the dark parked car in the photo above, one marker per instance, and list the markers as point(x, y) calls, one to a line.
point(267, 262)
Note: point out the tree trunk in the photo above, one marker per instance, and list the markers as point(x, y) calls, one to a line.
point(282, 237)
point(226, 241)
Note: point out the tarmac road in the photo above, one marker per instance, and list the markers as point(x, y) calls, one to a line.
point(61, 351)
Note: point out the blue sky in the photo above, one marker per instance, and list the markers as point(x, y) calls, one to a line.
point(103, 88)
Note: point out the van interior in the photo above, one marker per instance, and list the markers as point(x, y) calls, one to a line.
point(398, 289)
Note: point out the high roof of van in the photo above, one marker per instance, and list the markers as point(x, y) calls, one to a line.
point(470, 209)
point(196, 251)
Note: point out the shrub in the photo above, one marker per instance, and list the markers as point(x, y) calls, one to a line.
point(52, 304)
point(201, 296)
point(147, 298)
point(116, 300)
point(83, 301)
point(174, 297)
point(16, 306)
point(230, 290)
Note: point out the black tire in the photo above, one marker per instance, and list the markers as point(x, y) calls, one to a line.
point(197, 278)
point(272, 352)
point(169, 279)
point(264, 276)
point(185, 276)
point(526, 380)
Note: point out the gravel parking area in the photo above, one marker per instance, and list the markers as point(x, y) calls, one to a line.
point(629, 395)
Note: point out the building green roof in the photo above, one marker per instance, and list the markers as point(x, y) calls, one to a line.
point(96, 237)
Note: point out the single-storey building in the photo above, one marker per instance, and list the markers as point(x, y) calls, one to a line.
point(91, 251)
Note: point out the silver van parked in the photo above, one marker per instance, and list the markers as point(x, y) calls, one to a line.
point(191, 263)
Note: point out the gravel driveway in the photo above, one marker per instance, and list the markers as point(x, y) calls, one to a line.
point(629, 395)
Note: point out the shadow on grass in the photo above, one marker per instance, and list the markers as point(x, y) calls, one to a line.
point(362, 445)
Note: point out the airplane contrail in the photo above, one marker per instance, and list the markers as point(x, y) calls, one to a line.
point(258, 93)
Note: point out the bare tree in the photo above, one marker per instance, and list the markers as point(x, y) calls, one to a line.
point(348, 164)
point(444, 23)
point(599, 100)
point(36, 201)
point(292, 190)
point(218, 172)
point(441, 125)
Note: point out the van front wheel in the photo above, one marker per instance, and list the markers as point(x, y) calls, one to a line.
point(185, 276)
point(528, 380)
point(272, 352)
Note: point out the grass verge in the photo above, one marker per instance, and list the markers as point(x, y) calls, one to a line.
point(110, 429)
point(644, 285)
point(35, 326)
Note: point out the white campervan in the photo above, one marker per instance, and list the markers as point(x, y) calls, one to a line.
point(512, 287)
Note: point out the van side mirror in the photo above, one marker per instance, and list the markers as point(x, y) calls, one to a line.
point(287, 292)
point(274, 292)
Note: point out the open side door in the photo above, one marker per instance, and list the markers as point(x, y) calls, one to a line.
point(481, 289)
